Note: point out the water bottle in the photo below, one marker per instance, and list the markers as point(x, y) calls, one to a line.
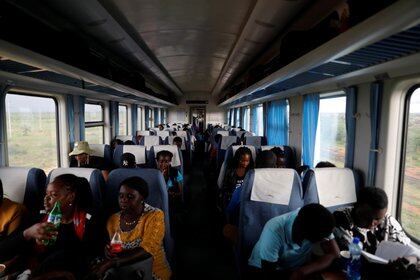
point(116, 243)
point(54, 217)
point(353, 267)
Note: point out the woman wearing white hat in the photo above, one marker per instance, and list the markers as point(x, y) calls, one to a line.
point(82, 158)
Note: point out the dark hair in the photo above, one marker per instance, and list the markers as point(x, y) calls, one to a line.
point(129, 142)
point(128, 160)
point(316, 221)
point(278, 151)
point(323, 164)
point(137, 184)
point(241, 151)
point(80, 186)
point(177, 139)
point(266, 159)
point(374, 197)
point(164, 153)
point(115, 142)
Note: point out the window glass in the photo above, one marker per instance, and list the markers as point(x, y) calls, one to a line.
point(139, 118)
point(410, 207)
point(122, 115)
point(93, 113)
point(32, 139)
point(238, 117)
point(94, 134)
point(260, 120)
point(330, 143)
point(151, 117)
point(247, 112)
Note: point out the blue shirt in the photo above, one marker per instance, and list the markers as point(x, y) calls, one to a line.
point(179, 178)
point(276, 244)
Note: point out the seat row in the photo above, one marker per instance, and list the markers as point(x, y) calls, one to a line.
point(28, 185)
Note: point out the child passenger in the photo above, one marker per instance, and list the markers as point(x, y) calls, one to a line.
point(285, 245)
point(173, 176)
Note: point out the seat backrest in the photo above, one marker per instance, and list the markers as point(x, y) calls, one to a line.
point(228, 141)
point(158, 195)
point(162, 133)
point(330, 186)
point(24, 185)
point(125, 137)
point(149, 141)
point(103, 151)
point(177, 160)
point(266, 193)
point(171, 141)
point(94, 177)
point(223, 132)
point(138, 151)
point(240, 133)
point(143, 132)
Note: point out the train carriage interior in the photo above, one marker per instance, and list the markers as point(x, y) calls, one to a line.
point(223, 118)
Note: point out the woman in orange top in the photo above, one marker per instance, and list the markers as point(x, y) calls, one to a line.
point(141, 228)
point(10, 215)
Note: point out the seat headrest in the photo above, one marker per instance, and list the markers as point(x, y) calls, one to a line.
point(171, 141)
point(14, 182)
point(98, 150)
point(223, 132)
point(182, 134)
point(253, 140)
point(252, 148)
point(139, 152)
point(273, 185)
point(227, 141)
point(125, 137)
point(240, 133)
point(265, 148)
point(162, 134)
point(150, 141)
point(335, 186)
point(143, 132)
point(79, 172)
point(176, 161)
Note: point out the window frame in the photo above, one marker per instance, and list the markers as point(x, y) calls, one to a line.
point(330, 95)
point(57, 122)
point(126, 118)
point(403, 153)
point(96, 123)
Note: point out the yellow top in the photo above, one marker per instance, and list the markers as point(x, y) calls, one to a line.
point(148, 234)
point(10, 216)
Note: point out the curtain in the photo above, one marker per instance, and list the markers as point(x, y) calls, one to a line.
point(156, 116)
point(134, 119)
point(82, 101)
point(146, 116)
point(3, 133)
point(277, 125)
point(70, 119)
point(351, 109)
point(254, 119)
point(162, 116)
point(231, 117)
point(241, 117)
point(115, 120)
point(376, 90)
point(310, 123)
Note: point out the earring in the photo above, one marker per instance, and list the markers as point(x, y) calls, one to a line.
point(70, 204)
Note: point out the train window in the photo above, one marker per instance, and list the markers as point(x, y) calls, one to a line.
point(32, 134)
point(330, 143)
point(237, 117)
point(94, 123)
point(151, 117)
point(409, 207)
point(123, 121)
point(139, 118)
point(260, 121)
point(247, 112)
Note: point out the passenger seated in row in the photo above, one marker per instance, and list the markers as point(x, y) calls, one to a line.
point(173, 176)
point(178, 142)
point(368, 221)
point(71, 247)
point(266, 159)
point(281, 158)
point(235, 174)
point(82, 158)
point(115, 143)
point(285, 245)
point(128, 160)
point(324, 164)
point(141, 228)
point(11, 214)
point(129, 142)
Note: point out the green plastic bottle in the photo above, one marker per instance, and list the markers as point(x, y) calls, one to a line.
point(54, 217)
